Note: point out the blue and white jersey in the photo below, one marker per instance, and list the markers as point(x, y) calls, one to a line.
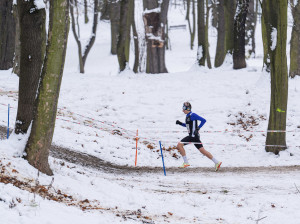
point(191, 123)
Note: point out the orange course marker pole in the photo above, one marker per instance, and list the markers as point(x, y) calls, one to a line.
point(137, 133)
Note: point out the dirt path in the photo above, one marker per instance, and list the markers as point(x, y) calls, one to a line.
point(93, 162)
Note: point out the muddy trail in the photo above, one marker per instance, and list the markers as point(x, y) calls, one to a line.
point(96, 163)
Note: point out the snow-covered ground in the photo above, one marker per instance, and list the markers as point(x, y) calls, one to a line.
point(99, 114)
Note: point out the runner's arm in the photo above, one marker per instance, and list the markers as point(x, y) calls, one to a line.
point(197, 117)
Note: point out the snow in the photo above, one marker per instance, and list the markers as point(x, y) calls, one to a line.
point(273, 38)
point(94, 107)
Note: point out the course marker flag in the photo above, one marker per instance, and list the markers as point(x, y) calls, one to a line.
point(162, 157)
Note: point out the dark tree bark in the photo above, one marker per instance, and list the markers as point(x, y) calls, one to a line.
point(83, 57)
point(105, 10)
point(230, 7)
point(239, 60)
point(16, 65)
point(214, 6)
point(124, 36)
point(221, 45)
point(32, 27)
point(274, 13)
point(201, 54)
point(155, 21)
point(41, 135)
point(7, 34)
point(115, 13)
point(295, 41)
point(251, 21)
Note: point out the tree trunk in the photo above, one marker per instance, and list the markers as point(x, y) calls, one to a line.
point(114, 24)
point(105, 10)
point(136, 65)
point(86, 17)
point(250, 28)
point(7, 34)
point(230, 7)
point(192, 28)
point(40, 139)
point(295, 44)
point(155, 22)
point(206, 35)
point(16, 66)
point(83, 57)
point(275, 17)
point(221, 46)
point(124, 36)
point(239, 60)
point(201, 54)
point(266, 61)
point(94, 32)
point(32, 27)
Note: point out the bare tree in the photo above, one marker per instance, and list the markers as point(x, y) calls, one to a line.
point(274, 13)
point(39, 142)
point(83, 57)
point(123, 45)
point(239, 60)
point(32, 27)
point(155, 19)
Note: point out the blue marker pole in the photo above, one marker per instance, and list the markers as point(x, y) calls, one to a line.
point(162, 157)
point(8, 123)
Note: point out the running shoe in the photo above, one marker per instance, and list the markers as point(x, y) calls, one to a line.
point(218, 165)
point(184, 165)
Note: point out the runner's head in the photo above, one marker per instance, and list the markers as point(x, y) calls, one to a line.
point(187, 106)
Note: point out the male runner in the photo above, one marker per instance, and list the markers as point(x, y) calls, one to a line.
point(193, 129)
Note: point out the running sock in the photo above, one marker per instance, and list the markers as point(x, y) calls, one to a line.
point(214, 160)
point(185, 160)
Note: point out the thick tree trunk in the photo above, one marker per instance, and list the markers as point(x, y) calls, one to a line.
point(239, 60)
point(32, 27)
point(295, 42)
point(124, 36)
point(40, 139)
point(115, 6)
point(155, 21)
point(221, 45)
point(7, 34)
point(275, 17)
point(201, 54)
point(230, 7)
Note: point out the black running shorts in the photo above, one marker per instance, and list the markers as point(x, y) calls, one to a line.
point(188, 139)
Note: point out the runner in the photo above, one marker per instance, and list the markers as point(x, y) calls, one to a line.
point(193, 129)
